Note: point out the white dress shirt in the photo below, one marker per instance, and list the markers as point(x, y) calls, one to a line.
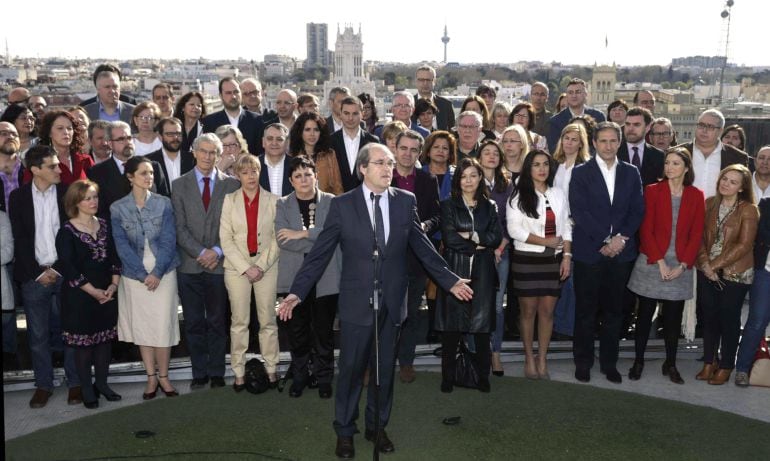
point(608, 172)
point(707, 169)
point(351, 147)
point(275, 175)
point(384, 207)
point(173, 167)
point(46, 224)
point(119, 164)
point(234, 121)
point(759, 194)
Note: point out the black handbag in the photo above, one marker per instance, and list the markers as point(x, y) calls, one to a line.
point(466, 371)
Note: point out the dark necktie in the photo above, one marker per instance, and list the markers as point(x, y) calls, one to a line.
point(635, 159)
point(206, 193)
point(379, 229)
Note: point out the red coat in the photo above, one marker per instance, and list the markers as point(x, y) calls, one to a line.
point(80, 164)
point(655, 233)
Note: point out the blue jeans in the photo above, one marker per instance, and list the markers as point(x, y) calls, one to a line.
point(502, 274)
point(564, 313)
point(42, 308)
point(759, 317)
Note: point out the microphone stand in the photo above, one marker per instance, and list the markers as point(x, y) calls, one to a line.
point(375, 302)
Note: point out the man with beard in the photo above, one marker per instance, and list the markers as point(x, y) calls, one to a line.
point(250, 123)
point(11, 169)
point(173, 162)
point(110, 174)
point(647, 158)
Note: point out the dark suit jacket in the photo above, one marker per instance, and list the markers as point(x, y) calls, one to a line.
point(730, 156)
point(428, 209)
point(596, 218)
point(348, 225)
point(330, 125)
point(560, 120)
point(349, 180)
point(114, 186)
point(22, 218)
point(188, 163)
point(123, 97)
point(762, 242)
point(251, 125)
point(264, 179)
point(652, 162)
point(445, 118)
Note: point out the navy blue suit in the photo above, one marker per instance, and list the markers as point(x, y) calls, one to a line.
point(600, 280)
point(264, 178)
point(250, 123)
point(559, 121)
point(349, 226)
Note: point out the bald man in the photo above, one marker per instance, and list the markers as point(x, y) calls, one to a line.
point(286, 106)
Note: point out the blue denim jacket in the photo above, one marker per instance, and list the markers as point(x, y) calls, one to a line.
point(130, 227)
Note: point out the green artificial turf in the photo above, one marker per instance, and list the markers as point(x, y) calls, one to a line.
point(519, 419)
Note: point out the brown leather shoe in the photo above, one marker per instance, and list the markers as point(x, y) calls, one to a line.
point(75, 396)
point(39, 398)
point(707, 372)
point(721, 376)
point(345, 448)
point(406, 374)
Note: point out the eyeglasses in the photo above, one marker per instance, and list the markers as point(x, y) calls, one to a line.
point(28, 118)
point(121, 139)
point(249, 94)
point(234, 145)
point(401, 106)
point(706, 126)
point(520, 115)
point(173, 134)
point(468, 127)
point(384, 163)
point(9, 134)
point(660, 134)
point(146, 118)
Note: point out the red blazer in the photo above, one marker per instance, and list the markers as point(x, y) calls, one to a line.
point(655, 233)
point(80, 164)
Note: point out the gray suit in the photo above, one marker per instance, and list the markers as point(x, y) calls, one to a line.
point(202, 291)
point(287, 216)
point(126, 110)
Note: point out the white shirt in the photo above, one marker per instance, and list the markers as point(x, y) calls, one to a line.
point(275, 175)
point(173, 167)
point(563, 177)
point(707, 169)
point(337, 125)
point(234, 121)
point(119, 164)
point(351, 147)
point(609, 175)
point(384, 207)
point(144, 148)
point(759, 194)
point(46, 224)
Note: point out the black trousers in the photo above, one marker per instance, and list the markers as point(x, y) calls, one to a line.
point(311, 326)
point(672, 322)
point(449, 342)
point(721, 319)
point(602, 283)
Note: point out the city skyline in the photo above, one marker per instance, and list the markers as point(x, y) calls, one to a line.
point(399, 33)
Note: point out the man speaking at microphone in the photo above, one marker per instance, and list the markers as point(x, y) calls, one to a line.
point(373, 225)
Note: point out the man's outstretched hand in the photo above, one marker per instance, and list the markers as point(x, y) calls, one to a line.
point(462, 290)
point(287, 306)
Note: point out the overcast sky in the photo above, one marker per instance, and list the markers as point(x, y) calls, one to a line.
point(642, 32)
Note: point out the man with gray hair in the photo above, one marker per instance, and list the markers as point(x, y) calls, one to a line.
point(468, 131)
point(274, 176)
point(336, 95)
point(110, 174)
point(393, 229)
point(108, 104)
point(426, 82)
point(402, 109)
point(197, 197)
point(97, 138)
point(252, 100)
point(709, 155)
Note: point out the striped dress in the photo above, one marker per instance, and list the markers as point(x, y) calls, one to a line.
point(537, 274)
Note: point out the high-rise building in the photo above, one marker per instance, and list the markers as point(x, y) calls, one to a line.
point(317, 45)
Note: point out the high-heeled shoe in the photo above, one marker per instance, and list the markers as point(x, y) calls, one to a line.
point(172, 392)
point(151, 395)
point(109, 394)
point(497, 365)
point(530, 374)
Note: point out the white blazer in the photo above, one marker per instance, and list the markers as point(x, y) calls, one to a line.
point(520, 225)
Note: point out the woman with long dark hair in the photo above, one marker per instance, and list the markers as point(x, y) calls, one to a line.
point(309, 137)
point(470, 232)
point(190, 109)
point(368, 111)
point(664, 269)
point(538, 221)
